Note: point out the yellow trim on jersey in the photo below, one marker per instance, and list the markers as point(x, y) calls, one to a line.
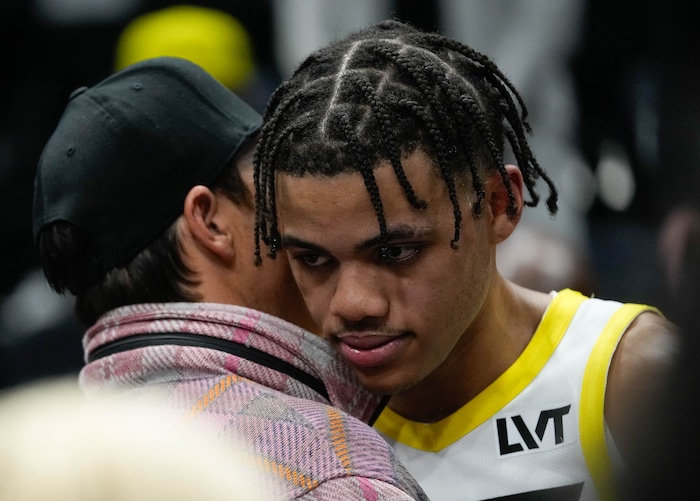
point(433, 437)
point(591, 411)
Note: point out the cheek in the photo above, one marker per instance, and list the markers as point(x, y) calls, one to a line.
point(421, 301)
point(431, 302)
point(450, 283)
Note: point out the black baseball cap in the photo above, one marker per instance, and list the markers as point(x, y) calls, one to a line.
point(126, 152)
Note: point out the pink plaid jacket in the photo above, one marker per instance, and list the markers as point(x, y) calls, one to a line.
point(315, 440)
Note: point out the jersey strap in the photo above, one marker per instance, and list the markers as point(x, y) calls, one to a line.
point(433, 437)
point(591, 411)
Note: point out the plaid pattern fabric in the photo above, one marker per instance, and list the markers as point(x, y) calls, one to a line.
point(320, 449)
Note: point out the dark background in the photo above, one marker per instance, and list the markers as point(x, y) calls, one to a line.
point(635, 69)
point(631, 56)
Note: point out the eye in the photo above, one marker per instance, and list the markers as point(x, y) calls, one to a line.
point(398, 253)
point(312, 260)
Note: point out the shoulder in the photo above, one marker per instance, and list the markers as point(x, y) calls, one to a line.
point(313, 442)
point(638, 374)
point(647, 350)
point(351, 460)
point(360, 464)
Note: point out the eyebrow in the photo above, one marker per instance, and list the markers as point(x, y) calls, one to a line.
point(394, 233)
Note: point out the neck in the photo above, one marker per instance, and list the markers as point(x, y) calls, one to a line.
point(491, 344)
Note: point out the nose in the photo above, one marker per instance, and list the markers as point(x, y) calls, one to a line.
point(358, 294)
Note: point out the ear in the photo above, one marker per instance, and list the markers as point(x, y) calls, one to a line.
point(206, 223)
point(499, 201)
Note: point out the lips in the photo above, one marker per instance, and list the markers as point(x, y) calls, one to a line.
point(370, 349)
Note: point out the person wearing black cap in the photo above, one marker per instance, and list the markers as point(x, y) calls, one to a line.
point(143, 210)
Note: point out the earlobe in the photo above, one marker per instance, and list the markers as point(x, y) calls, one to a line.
point(203, 218)
point(505, 202)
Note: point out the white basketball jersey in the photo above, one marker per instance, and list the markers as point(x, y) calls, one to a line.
point(538, 431)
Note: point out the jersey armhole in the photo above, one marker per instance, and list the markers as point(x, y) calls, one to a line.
point(594, 443)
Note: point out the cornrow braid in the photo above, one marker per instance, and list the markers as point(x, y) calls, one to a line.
point(380, 94)
point(384, 119)
point(440, 149)
point(369, 179)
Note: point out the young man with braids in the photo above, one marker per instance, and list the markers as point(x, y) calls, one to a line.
point(144, 211)
point(380, 172)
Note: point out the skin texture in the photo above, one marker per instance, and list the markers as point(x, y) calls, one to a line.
point(218, 244)
point(639, 374)
point(446, 313)
point(433, 326)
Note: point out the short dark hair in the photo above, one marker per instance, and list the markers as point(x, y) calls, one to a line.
point(378, 95)
point(156, 274)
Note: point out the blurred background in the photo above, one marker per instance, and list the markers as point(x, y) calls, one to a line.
point(611, 87)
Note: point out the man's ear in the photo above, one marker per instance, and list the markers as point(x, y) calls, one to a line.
point(506, 210)
point(206, 222)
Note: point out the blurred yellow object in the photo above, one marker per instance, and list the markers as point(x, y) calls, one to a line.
point(214, 40)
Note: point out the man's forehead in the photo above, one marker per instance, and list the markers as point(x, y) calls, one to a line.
point(354, 186)
point(320, 181)
point(315, 192)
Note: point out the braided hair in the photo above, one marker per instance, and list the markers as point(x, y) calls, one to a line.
point(376, 96)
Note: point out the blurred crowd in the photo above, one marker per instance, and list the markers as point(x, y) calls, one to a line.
point(610, 92)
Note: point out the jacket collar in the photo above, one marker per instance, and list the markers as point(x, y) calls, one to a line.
point(250, 328)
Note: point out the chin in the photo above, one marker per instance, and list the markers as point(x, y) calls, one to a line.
point(384, 385)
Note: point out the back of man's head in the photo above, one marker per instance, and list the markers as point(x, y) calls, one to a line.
point(113, 177)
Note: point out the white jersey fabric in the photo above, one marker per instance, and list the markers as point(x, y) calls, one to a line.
point(538, 431)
